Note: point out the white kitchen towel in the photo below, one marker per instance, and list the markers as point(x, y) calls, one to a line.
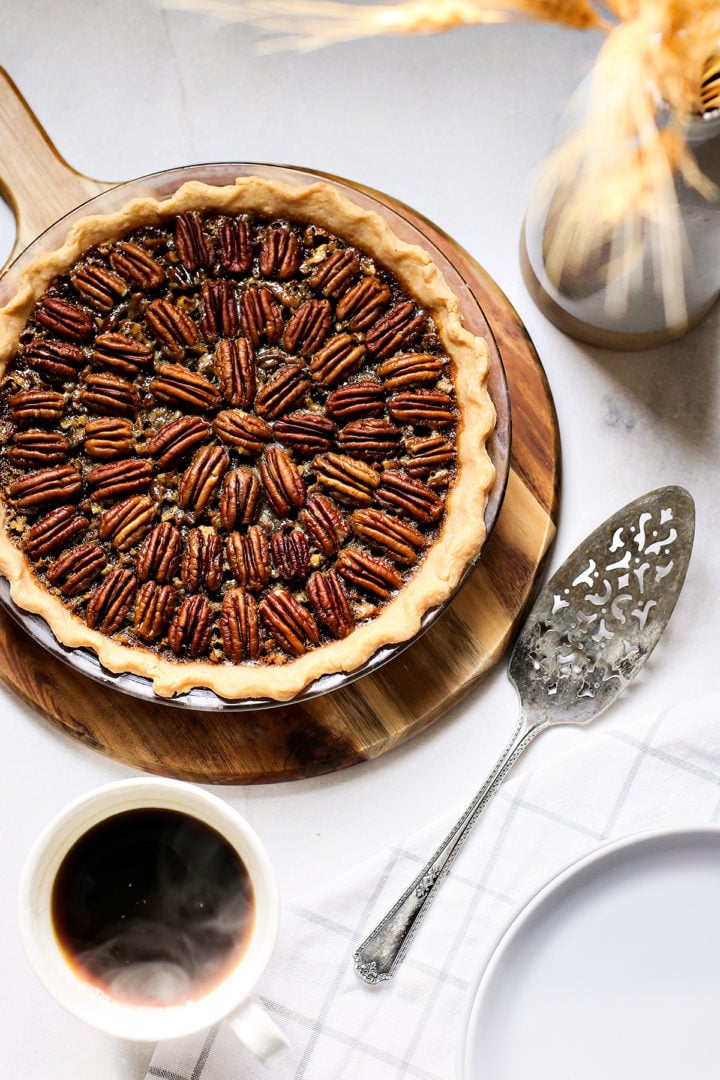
point(652, 772)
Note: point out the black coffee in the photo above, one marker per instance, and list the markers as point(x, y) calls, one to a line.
point(154, 907)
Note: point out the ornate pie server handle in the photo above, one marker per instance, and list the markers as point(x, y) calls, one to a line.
point(377, 959)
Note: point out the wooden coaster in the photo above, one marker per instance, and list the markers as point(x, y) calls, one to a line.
point(377, 712)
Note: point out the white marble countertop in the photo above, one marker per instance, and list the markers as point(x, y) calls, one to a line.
point(455, 126)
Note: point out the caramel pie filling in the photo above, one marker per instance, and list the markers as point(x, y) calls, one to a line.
point(227, 438)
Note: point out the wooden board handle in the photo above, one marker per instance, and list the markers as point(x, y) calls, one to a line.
point(37, 183)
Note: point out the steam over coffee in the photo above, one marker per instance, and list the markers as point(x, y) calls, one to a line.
point(153, 906)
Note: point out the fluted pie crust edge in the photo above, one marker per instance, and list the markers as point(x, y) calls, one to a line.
point(463, 531)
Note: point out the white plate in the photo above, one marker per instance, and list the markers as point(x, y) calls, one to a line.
point(611, 972)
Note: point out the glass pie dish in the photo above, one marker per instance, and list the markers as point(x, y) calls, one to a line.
point(405, 225)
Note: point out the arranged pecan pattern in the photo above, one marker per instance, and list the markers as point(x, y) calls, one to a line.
point(228, 439)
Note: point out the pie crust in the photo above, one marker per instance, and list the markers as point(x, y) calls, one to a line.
point(441, 564)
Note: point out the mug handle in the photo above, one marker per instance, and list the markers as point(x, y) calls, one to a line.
point(256, 1030)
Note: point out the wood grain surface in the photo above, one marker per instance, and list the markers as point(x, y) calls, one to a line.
point(378, 711)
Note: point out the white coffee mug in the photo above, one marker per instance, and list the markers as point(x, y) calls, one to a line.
point(231, 1000)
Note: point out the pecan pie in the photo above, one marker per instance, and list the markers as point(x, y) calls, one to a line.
point(243, 438)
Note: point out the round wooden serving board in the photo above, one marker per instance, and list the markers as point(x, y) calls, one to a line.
point(378, 711)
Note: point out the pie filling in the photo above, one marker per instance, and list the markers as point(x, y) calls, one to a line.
point(227, 438)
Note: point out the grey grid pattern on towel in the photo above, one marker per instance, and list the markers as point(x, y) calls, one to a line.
point(651, 772)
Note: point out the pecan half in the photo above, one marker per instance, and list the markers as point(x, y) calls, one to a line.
point(243, 431)
point(335, 274)
point(121, 354)
point(308, 327)
point(191, 628)
point(249, 558)
point(306, 433)
point(202, 561)
point(291, 554)
point(182, 388)
point(289, 622)
point(239, 628)
point(284, 486)
point(427, 455)
point(179, 437)
point(173, 328)
point(56, 360)
point(202, 478)
point(159, 553)
point(111, 601)
point(356, 400)
point(137, 266)
point(58, 484)
point(279, 254)
point(330, 603)
point(34, 448)
point(285, 388)
point(260, 316)
point(64, 318)
point(398, 328)
point(56, 530)
point(411, 369)
point(192, 245)
point(75, 570)
point(234, 246)
point(98, 286)
point(240, 499)
point(35, 406)
point(363, 304)
point(108, 438)
point(409, 496)
point(220, 313)
point(109, 395)
point(154, 608)
point(350, 481)
point(125, 523)
point(399, 539)
point(118, 479)
point(371, 440)
point(339, 358)
point(324, 524)
point(374, 576)
point(234, 365)
point(422, 408)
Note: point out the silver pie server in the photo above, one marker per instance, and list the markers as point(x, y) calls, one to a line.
point(589, 632)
